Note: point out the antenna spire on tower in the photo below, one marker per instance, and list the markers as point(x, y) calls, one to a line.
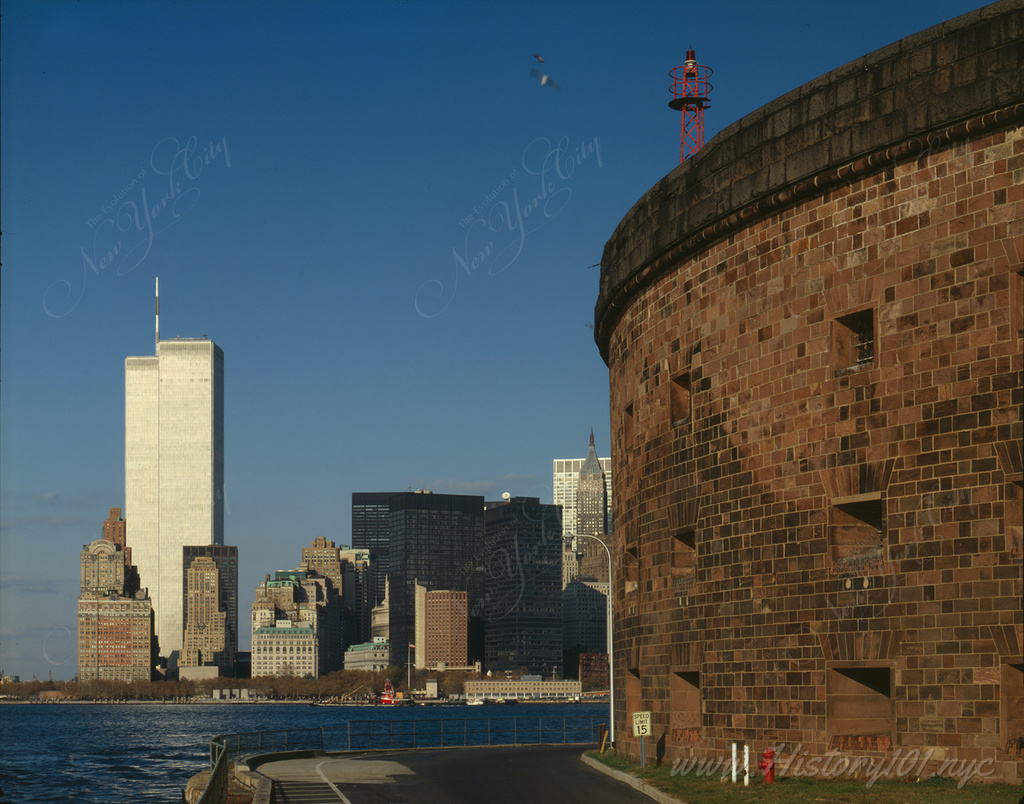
point(157, 309)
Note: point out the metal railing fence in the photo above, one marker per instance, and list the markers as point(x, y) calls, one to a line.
point(216, 790)
point(371, 735)
point(380, 735)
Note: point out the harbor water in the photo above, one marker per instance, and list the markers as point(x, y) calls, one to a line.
point(142, 752)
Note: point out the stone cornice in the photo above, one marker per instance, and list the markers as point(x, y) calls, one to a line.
point(951, 83)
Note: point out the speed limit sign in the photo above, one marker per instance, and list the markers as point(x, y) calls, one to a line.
point(641, 724)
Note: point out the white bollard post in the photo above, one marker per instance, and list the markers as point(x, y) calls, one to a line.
point(746, 765)
point(734, 763)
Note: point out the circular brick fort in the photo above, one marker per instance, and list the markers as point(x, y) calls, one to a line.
point(813, 330)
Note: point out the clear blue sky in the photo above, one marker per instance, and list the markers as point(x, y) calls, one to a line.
point(326, 242)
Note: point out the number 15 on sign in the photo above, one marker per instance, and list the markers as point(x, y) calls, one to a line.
point(641, 728)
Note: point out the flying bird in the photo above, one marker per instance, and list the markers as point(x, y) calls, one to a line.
point(545, 79)
point(540, 59)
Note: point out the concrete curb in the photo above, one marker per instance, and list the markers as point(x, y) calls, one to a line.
point(648, 790)
point(253, 761)
point(262, 787)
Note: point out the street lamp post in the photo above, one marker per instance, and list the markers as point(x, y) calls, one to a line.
point(573, 540)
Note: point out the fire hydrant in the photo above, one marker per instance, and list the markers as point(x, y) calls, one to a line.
point(767, 764)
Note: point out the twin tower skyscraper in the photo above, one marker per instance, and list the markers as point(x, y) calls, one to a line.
point(174, 468)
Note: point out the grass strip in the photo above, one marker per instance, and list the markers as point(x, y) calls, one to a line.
point(696, 788)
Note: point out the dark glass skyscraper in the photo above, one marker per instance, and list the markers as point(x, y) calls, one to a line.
point(522, 604)
point(371, 530)
point(437, 541)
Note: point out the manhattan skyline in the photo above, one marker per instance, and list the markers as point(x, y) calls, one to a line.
point(384, 220)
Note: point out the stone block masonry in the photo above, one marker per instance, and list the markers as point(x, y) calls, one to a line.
point(813, 330)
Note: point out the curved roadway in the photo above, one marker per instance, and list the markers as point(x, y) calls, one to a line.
point(447, 776)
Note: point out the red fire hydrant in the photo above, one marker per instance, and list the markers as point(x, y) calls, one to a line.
point(767, 764)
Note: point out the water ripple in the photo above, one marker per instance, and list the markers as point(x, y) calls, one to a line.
point(137, 753)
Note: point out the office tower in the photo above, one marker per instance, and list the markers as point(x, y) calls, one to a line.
point(225, 557)
point(103, 570)
point(371, 517)
point(210, 608)
point(351, 572)
point(115, 638)
point(585, 617)
point(296, 625)
point(356, 591)
point(523, 576)
point(593, 670)
point(380, 618)
point(437, 541)
point(566, 478)
point(591, 495)
point(115, 530)
point(324, 558)
point(442, 621)
point(115, 623)
point(584, 486)
point(320, 605)
point(205, 644)
point(592, 517)
point(174, 468)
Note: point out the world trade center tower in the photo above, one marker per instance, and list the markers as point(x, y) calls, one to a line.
point(174, 468)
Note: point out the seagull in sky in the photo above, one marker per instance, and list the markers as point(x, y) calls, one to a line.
point(545, 79)
point(540, 59)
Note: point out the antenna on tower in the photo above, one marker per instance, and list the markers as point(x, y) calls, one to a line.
point(690, 89)
point(157, 278)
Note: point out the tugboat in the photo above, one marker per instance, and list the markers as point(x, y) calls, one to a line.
point(389, 696)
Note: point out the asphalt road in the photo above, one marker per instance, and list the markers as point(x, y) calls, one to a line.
point(550, 773)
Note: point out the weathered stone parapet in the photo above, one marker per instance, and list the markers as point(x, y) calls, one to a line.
point(896, 103)
point(813, 332)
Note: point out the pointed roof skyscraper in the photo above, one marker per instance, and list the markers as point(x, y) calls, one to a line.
point(592, 466)
point(591, 514)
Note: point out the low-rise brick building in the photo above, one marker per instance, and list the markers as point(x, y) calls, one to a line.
point(522, 690)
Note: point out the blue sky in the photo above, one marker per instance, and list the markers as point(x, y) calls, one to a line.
point(376, 211)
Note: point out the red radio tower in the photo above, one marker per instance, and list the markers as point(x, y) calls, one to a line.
point(690, 88)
